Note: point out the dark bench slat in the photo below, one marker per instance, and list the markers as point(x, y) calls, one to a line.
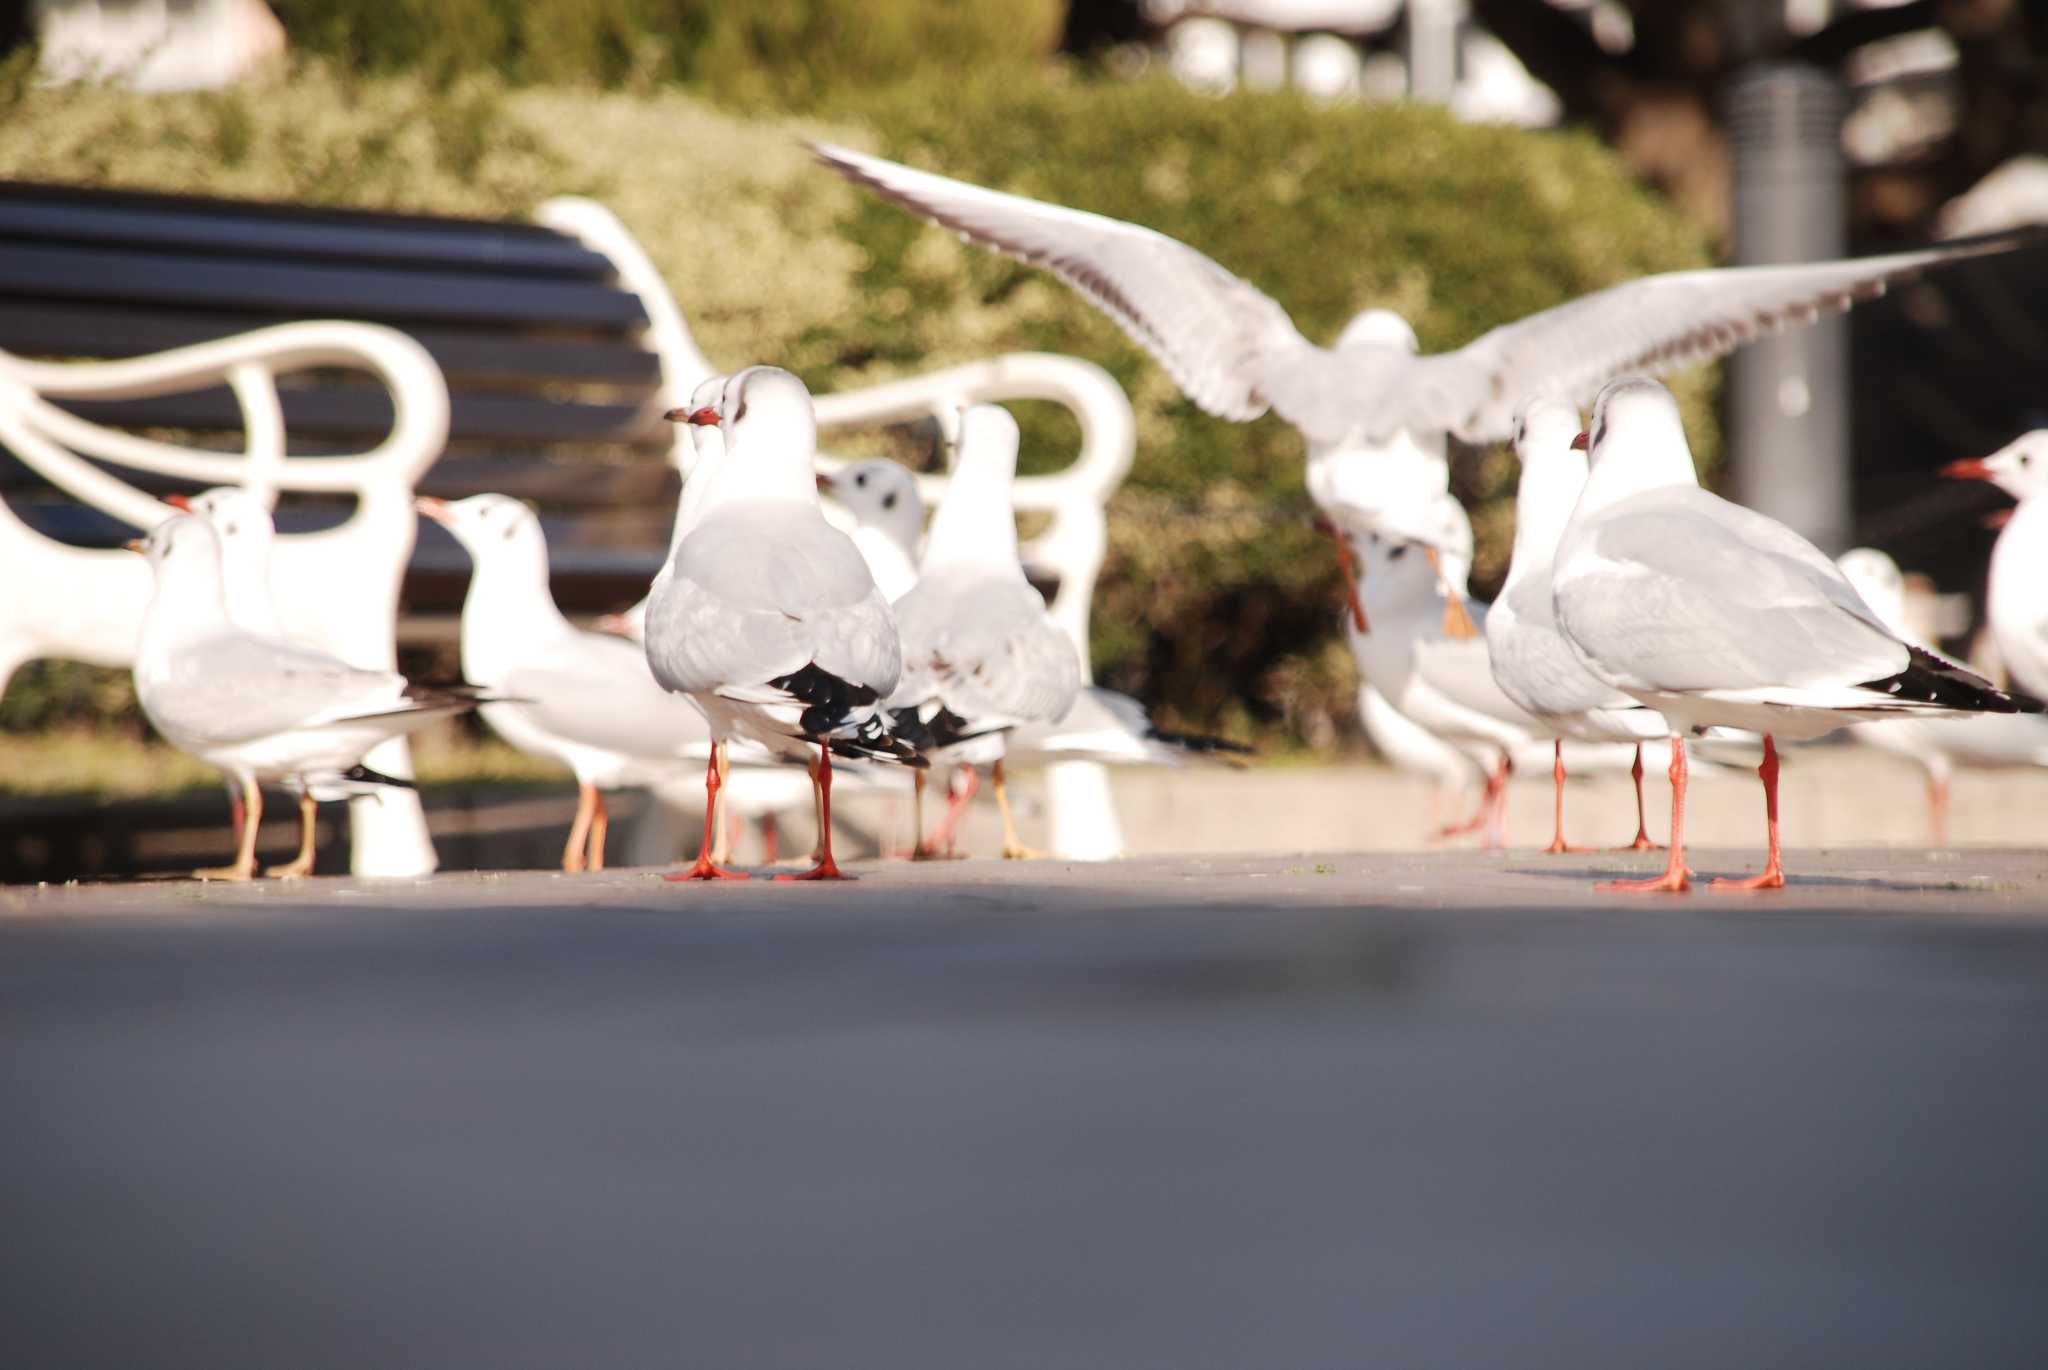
point(368, 413)
point(296, 290)
point(650, 484)
point(460, 246)
point(91, 330)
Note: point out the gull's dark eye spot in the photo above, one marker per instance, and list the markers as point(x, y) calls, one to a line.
point(861, 479)
point(1397, 553)
point(889, 500)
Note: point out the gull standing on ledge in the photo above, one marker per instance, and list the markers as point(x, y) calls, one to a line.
point(766, 615)
point(980, 654)
point(1716, 616)
point(2018, 601)
point(583, 699)
point(1532, 663)
point(257, 707)
point(1937, 746)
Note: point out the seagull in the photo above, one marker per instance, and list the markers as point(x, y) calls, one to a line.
point(1937, 746)
point(1532, 663)
point(1236, 354)
point(247, 534)
point(766, 615)
point(1436, 678)
point(888, 518)
point(584, 699)
point(980, 654)
point(2018, 601)
point(1716, 616)
point(257, 707)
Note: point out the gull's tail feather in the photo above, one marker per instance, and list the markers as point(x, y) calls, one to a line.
point(1930, 680)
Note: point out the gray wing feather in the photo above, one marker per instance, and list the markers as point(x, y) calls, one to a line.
point(1644, 327)
point(1220, 338)
point(234, 687)
point(1699, 594)
point(1533, 664)
point(600, 693)
point(984, 648)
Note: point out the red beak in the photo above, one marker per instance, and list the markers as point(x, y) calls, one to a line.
point(179, 502)
point(1581, 443)
point(707, 417)
point(1969, 468)
point(435, 509)
point(825, 483)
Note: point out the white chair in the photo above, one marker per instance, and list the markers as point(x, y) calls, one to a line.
point(1084, 824)
point(339, 585)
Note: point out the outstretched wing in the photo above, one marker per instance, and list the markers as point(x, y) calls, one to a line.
point(1646, 327)
point(1217, 336)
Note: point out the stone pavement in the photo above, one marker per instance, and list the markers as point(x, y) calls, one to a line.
point(1437, 1110)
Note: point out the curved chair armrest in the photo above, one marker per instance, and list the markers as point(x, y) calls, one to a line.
point(48, 439)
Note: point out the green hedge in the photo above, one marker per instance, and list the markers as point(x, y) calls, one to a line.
point(1330, 209)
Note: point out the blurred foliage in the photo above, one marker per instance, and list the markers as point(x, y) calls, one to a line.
point(761, 54)
point(1219, 604)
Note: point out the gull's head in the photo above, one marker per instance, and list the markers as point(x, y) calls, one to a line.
point(239, 518)
point(1636, 422)
point(768, 409)
point(1379, 328)
point(1878, 579)
point(1544, 428)
point(489, 527)
point(2020, 468)
point(184, 544)
point(880, 494)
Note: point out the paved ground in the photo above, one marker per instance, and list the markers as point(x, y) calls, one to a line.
point(1439, 1110)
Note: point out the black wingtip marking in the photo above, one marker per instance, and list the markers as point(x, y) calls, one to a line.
point(363, 775)
point(829, 700)
point(1928, 679)
point(1200, 742)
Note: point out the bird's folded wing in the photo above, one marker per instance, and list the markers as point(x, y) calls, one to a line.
point(237, 686)
point(1458, 669)
point(589, 693)
point(1533, 664)
point(1219, 337)
point(1695, 594)
point(989, 653)
point(1645, 327)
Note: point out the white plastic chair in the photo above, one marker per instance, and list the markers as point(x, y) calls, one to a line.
point(1084, 823)
point(337, 588)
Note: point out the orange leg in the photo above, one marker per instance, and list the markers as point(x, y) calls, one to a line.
point(1937, 807)
point(957, 800)
point(706, 868)
point(1674, 879)
point(1772, 876)
point(1497, 793)
point(827, 868)
point(1484, 812)
point(1557, 842)
point(1642, 842)
point(1350, 569)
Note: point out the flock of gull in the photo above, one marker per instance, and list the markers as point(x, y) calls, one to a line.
point(778, 651)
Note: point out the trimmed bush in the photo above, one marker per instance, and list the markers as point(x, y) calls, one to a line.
point(1328, 209)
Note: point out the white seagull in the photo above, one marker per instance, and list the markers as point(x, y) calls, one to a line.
point(1235, 353)
point(2018, 601)
point(766, 615)
point(1938, 746)
point(584, 699)
point(257, 707)
point(980, 654)
point(888, 518)
point(1716, 616)
point(1532, 663)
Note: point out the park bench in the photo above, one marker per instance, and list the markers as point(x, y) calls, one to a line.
point(345, 360)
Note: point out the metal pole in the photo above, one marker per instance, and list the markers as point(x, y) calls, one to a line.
point(1788, 395)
